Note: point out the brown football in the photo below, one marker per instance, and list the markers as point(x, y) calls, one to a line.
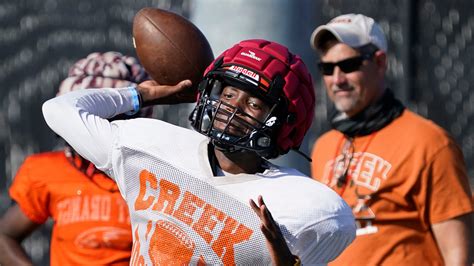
point(171, 49)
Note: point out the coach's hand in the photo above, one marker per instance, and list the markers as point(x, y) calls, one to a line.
point(279, 251)
point(153, 93)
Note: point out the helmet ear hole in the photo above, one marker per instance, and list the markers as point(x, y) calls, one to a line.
point(291, 118)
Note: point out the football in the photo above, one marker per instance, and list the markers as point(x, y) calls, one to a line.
point(171, 49)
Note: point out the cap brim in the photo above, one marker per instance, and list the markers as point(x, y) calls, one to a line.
point(319, 31)
point(343, 33)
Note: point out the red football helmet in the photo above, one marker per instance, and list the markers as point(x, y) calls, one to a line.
point(269, 71)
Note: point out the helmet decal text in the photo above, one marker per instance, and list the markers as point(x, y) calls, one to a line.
point(246, 72)
point(251, 55)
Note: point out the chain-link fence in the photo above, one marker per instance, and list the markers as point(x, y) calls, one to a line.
point(39, 41)
point(430, 54)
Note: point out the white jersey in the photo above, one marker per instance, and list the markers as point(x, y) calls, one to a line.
point(180, 212)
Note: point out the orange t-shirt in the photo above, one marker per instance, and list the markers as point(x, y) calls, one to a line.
point(91, 220)
point(400, 181)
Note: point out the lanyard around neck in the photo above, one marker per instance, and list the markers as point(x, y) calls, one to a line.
point(348, 151)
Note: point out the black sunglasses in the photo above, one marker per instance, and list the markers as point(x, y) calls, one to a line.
point(347, 65)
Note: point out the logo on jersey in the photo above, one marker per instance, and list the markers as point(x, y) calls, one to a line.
point(92, 208)
point(367, 170)
point(105, 237)
point(184, 216)
point(251, 55)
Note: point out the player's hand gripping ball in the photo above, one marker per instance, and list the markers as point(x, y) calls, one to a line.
point(171, 49)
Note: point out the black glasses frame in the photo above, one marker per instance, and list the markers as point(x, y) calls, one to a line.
point(347, 65)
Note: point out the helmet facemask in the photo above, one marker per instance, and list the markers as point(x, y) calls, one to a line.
point(266, 70)
point(230, 128)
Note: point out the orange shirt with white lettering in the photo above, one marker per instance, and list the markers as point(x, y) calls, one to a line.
point(400, 181)
point(91, 220)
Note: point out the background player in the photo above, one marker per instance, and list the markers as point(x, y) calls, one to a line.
point(91, 220)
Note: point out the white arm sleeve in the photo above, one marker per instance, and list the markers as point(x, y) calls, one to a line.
point(80, 118)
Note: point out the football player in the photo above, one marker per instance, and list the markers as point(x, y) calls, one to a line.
point(210, 195)
point(91, 220)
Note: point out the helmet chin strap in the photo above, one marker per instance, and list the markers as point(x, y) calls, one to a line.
point(222, 145)
point(227, 148)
